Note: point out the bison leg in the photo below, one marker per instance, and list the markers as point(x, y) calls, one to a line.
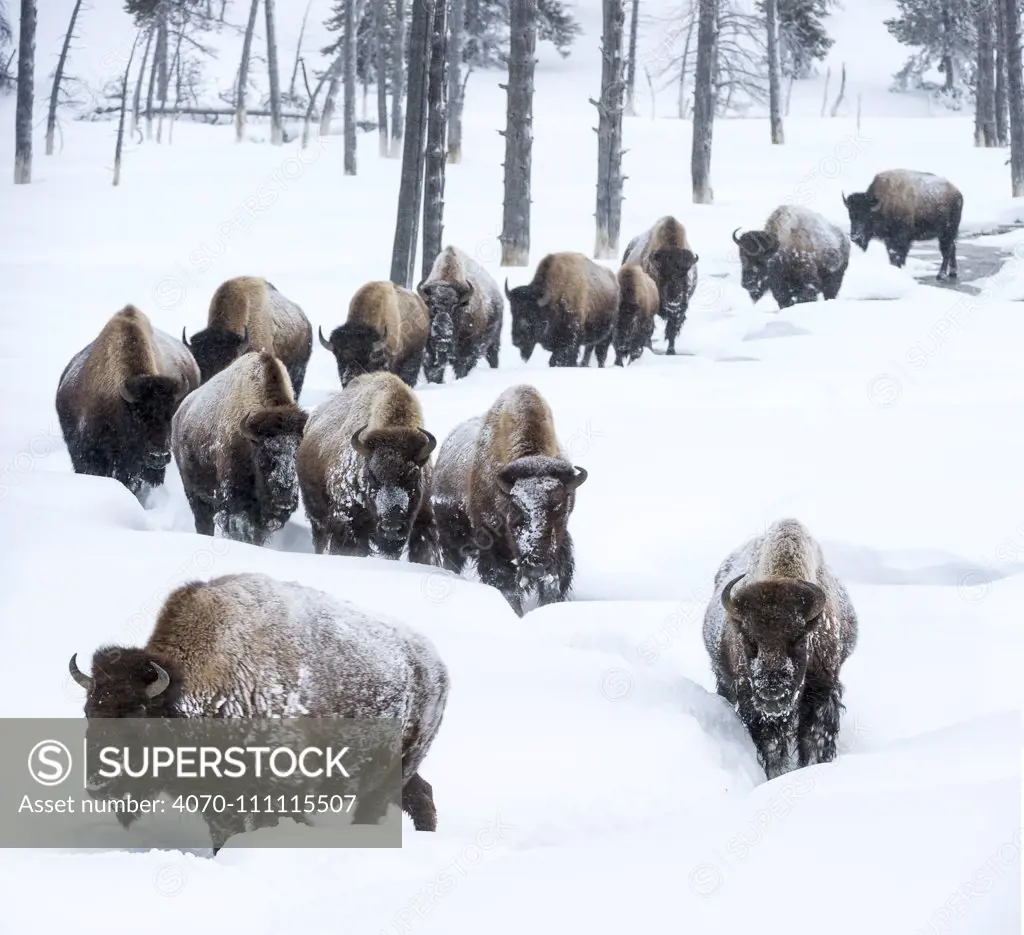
point(409, 369)
point(454, 537)
point(321, 537)
point(831, 285)
point(601, 351)
point(774, 739)
point(370, 808)
point(820, 711)
point(947, 245)
point(588, 352)
point(897, 250)
point(202, 513)
point(465, 361)
point(492, 352)
point(424, 544)
point(418, 803)
point(557, 588)
point(498, 571)
point(674, 319)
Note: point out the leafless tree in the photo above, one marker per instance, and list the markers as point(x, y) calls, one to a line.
point(437, 123)
point(1014, 93)
point(26, 91)
point(398, 83)
point(58, 78)
point(999, 92)
point(243, 72)
point(609, 133)
point(380, 53)
point(349, 72)
point(276, 134)
point(774, 71)
point(704, 103)
point(298, 52)
point(985, 79)
point(119, 145)
point(518, 133)
point(137, 102)
point(456, 85)
point(631, 60)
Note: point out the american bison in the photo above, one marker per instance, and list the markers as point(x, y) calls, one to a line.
point(798, 255)
point(116, 398)
point(665, 255)
point(502, 492)
point(638, 304)
point(251, 646)
point(466, 309)
point(235, 440)
point(364, 472)
point(902, 206)
point(386, 329)
point(777, 644)
point(247, 313)
point(571, 303)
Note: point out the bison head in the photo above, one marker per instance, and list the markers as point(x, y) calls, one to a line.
point(539, 495)
point(671, 270)
point(394, 460)
point(215, 350)
point(128, 683)
point(446, 303)
point(863, 210)
point(775, 621)
point(527, 317)
point(756, 251)
point(358, 349)
point(151, 402)
point(273, 435)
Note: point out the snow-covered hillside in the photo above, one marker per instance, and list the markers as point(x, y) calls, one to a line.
point(587, 777)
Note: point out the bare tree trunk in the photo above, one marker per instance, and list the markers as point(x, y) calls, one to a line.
point(456, 88)
point(314, 93)
point(176, 68)
point(119, 146)
point(609, 133)
point(150, 91)
point(437, 124)
point(842, 92)
point(631, 61)
point(223, 9)
point(704, 103)
point(380, 58)
point(774, 71)
point(824, 96)
point(515, 225)
point(162, 77)
point(243, 72)
point(330, 102)
point(683, 69)
point(410, 191)
point(1002, 134)
point(58, 77)
point(1015, 94)
point(26, 92)
point(349, 71)
point(298, 52)
point(137, 102)
point(985, 90)
point(398, 84)
point(276, 135)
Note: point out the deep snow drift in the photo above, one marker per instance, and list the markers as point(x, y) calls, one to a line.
point(587, 778)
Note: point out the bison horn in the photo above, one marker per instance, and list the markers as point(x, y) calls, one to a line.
point(579, 477)
point(466, 292)
point(508, 295)
point(504, 484)
point(428, 446)
point(160, 685)
point(727, 601)
point(244, 346)
point(127, 394)
point(735, 239)
point(78, 675)
point(324, 343)
point(846, 203)
point(820, 598)
point(243, 427)
point(358, 444)
point(184, 340)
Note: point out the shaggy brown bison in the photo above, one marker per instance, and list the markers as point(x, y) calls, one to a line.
point(466, 310)
point(364, 472)
point(777, 643)
point(901, 206)
point(665, 255)
point(250, 646)
point(235, 440)
point(798, 255)
point(116, 398)
point(638, 304)
point(386, 330)
point(571, 303)
point(503, 491)
point(247, 313)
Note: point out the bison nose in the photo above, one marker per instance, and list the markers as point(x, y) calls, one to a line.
point(159, 459)
point(531, 572)
point(392, 530)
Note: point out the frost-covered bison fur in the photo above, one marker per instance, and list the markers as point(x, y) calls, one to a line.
point(503, 492)
point(638, 304)
point(250, 646)
point(778, 629)
point(235, 440)
point(570, 304)
point(466, 309)
point(797, 256)
point(665, 255)
point(117, 396)
point(364, 472)
point(247, 313)
point(902, 206)
point(386, 329)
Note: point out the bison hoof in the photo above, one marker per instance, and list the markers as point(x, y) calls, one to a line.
point(671, 352)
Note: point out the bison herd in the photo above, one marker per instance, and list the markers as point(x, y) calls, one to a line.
point(498, 491)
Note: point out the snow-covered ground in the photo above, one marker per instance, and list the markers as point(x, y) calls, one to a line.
point(587, 778)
